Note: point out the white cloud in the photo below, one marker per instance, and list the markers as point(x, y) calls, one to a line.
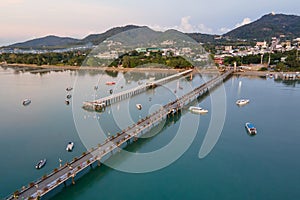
point(244, 22)
point(224, 30)
point(185, 26)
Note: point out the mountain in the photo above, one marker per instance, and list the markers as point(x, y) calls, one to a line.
point(51, 41)
point(98, 38)
point(270, 25)
point(46, 42)
point(202, 38)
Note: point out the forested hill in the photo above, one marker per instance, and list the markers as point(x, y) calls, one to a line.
point(268, 26)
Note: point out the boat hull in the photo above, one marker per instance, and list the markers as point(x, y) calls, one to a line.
point(41, 164)
point(250, 129)
point(242, 102)
point(198, 110)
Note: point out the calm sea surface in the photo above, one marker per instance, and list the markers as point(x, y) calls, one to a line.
point(265, 166)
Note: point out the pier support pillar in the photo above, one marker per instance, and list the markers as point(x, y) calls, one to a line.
point(73, 180)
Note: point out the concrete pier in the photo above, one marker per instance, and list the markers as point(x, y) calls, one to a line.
point(68, 173)
point(100, 104)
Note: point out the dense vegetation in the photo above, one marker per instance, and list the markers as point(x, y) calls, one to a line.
point(129, 60)
point(135, 59)
point(290, 63)
point(269, 26)
point(67, 58)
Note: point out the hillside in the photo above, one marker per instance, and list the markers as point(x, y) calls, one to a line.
point(46, 42)
point(202, 38)
point(270, 25)
point(98, 38)
point(51, 41)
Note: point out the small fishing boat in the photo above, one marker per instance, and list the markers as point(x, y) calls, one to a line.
point(69, 96)
point(41, 164)
point(111, 91)
point(110, 83)
point(242, 102)
point(96, 87)
point(70, 146)
point(250, 128)
point(26, 102)
point(67, 102)
point(198, 110)
point(139, 106)
point(69, 89)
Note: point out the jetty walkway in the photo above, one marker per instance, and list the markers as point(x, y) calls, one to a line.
point(70, 172)
point(100, 104)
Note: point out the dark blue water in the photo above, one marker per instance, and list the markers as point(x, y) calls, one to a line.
point(239, 166)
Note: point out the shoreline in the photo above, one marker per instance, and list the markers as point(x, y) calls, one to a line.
point(204, 71)
point(54, 67)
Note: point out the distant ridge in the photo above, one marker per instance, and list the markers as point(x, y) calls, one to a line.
point(270, 25)
point(50, 41)
point(98, 38)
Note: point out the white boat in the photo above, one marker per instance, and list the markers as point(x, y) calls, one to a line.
point(139, 106)
point(242, 102)
point(198, 110)
point(70, 146)
point(41, 164)
point(26, 102)
point(250, 128)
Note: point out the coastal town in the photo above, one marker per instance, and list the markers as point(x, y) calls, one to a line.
point(262, 50)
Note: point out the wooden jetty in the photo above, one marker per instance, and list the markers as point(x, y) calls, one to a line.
point(100, 104)
point(70, 172)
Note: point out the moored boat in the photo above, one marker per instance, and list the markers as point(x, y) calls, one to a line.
point(242, 102)
point(110, 83)
point(250, 128)
point(139, 106)
point(69, 89)
point(26, 102)
point(41, 164)
point(70, 146)
point(198, 110)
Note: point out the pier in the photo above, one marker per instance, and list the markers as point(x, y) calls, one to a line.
point(70, 172)
point(100, 104)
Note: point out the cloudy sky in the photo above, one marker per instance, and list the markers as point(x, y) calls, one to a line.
point(21, 20)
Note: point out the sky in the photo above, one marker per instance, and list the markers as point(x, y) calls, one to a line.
point(22, 20)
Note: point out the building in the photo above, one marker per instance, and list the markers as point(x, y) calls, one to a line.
point(219, 60)
point(228, 48)
point(262, 45)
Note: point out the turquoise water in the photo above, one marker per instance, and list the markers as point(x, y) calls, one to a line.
point(265, 166)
